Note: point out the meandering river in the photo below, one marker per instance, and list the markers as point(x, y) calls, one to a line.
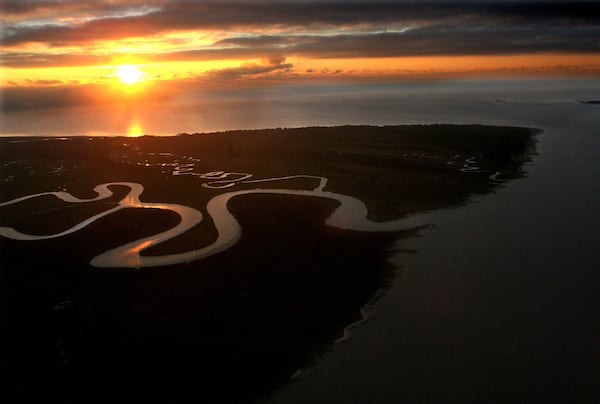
point(351, 214)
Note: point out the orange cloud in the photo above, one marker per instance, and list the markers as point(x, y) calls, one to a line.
point(49, 41)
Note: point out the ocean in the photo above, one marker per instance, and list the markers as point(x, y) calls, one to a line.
point(318, 104)
point(500, 299)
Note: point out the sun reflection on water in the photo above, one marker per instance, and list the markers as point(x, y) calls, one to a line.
point(135, 129)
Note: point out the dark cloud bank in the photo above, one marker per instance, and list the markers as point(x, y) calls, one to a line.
point(393, 28)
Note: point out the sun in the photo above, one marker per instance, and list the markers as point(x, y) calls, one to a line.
point(129, 74)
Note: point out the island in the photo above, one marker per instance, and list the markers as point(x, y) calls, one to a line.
point(216, 265)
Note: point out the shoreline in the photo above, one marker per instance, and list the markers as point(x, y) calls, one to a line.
point(62, 137)
point(280, 296)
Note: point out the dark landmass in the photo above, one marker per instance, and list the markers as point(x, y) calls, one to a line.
point(238, 324)
point(595, 102)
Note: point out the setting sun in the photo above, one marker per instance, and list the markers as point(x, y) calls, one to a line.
point(129, 74)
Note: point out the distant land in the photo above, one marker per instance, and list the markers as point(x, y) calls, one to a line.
point(241, 321)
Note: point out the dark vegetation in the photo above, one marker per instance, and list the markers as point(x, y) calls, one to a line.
point(238, 324)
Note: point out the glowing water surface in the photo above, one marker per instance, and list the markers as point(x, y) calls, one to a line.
point(351, 214)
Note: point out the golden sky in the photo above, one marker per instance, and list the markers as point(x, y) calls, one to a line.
point(49, 43)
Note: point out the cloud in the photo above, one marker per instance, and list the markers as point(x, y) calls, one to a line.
point(20, 7)
point(276, 59)
point(41, 59)
point(445, 40)
point(44, 82)
point(248, 70)
point(51, 94)
point(226, 15)
point(19, 10)
point(40, 33)
point(426, 41)
point(21, 98)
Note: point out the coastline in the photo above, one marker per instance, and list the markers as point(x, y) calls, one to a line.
point(226, 301)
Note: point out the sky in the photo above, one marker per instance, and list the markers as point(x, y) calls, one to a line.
point(78, 47)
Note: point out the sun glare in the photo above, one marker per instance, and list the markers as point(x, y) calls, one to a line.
point(135, 129)
point(129, 74)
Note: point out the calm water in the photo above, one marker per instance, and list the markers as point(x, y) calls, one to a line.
point(501, 299)
point(307, 105)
